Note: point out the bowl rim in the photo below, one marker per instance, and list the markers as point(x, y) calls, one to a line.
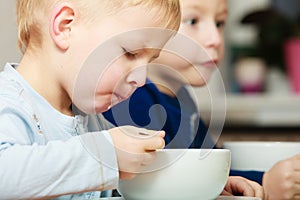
point(177, 154)
point(264, 143)
point(192, 150)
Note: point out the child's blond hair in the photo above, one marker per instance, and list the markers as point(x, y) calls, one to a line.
point(30, 13)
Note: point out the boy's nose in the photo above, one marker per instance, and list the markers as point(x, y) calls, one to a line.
point(212, 37)
point(138, 76)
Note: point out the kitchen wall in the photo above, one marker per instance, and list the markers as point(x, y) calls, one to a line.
point(8, 33)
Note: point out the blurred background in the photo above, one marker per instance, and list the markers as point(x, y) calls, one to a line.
point(260, 72)
point(8, 33)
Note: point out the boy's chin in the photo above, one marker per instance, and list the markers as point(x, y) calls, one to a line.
point(96, 109)
point(100, 109)
point(200, 82)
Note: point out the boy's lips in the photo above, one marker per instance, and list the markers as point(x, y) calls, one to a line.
point(116, 98)
point(210, 63)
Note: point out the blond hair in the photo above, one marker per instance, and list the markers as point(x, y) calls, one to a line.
point(30, 13)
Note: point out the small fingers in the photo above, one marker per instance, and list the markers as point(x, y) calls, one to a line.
point(150, 133)
point(250, 191)
point(154, 143)
point(237, 185)
point(258, 189)
point(140, 133)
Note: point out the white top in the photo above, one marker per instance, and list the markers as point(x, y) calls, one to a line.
point(45, 153)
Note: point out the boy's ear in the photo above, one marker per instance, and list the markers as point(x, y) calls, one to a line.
point(62, 18)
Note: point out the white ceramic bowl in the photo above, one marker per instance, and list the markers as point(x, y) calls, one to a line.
point(179, 174)
point(259, 156)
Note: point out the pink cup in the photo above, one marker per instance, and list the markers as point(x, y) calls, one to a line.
point(292, 58)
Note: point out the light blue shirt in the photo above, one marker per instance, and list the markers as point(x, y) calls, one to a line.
point(45, 153)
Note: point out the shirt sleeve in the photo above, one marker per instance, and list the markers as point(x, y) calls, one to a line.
point(83, 163)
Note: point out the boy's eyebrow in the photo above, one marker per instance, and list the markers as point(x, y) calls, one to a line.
point(198, 7)
point(223, 11)
point(195, 6)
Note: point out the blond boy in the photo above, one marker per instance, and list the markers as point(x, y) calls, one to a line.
point(46, 149)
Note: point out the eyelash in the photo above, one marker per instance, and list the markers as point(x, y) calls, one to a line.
point(192, 21)
point(220, 24)
point(129, 53)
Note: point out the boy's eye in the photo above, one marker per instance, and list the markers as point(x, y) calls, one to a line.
point(220, 24)
point(192, 21)
point(129, 53)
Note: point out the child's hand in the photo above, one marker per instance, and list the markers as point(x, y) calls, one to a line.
point(240, 186)
point(135, 147)
point(282, 181)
